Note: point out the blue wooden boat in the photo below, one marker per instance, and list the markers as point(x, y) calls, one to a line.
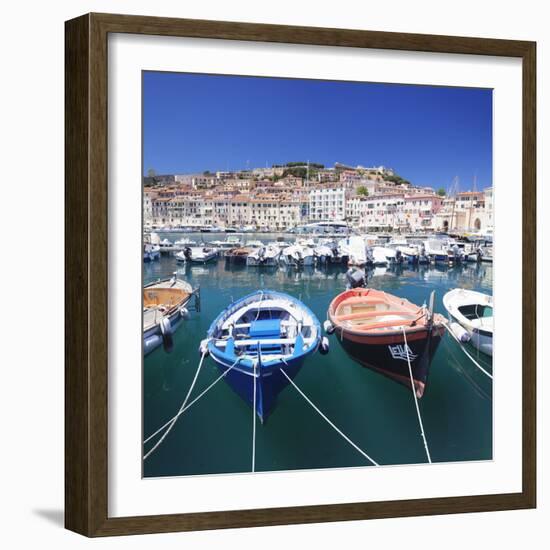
point(259, 336)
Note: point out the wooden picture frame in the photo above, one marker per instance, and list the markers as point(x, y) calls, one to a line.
point(86, 279)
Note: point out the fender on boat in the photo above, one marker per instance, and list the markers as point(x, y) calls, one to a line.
point(328, 326)
point(460, 332)
point(324, 346)
point(166, 331)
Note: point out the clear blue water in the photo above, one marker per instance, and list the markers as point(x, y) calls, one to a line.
point(215, 435)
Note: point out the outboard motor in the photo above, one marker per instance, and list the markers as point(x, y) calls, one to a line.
point(369, 256)
point(479, 254)
point(187, 253)
point(261, 255)
point(398, 257)
point(355, 278)
point(422, 258)
point(456, 253)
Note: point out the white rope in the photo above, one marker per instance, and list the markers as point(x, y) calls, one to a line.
point(327, 420)
point(414, 395)
point(222, 375)
point(254, 422)
point(466, 352)
point(173, 421)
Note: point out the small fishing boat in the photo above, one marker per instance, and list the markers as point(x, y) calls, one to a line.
point(379, 257)
point(230, 242)
point(387, 333)
point(473, 311)
point(237, 256)
point(184, 243)
point(356, 250)
point(437, 250)
point(323, 254)
point(164, 307)
point(166, 245)
point(151, 252)
point(200, 254)
point(297, 256)
point(265, 256)
point(261, 336)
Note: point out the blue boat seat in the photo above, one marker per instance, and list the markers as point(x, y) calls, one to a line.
point(267, 329)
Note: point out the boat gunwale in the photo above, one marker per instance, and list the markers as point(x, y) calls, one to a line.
point(226, 360)
point(437, 325)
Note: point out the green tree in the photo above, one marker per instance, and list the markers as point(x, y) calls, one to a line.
point(362, 191)
point(151, 173)
point(441, 192)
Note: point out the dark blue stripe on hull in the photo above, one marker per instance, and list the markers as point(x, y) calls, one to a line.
point(268, 385)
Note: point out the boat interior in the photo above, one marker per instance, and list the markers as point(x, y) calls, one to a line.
point(270, 328)
point(376, 311)
point(161, 299)
point(479, 315)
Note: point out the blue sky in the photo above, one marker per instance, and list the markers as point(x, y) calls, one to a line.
point(428, 134)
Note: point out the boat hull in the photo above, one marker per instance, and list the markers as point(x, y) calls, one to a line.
point(250, 356)
point(204, 259)
point(270, 382)
point(387, 354)
point(235, 259)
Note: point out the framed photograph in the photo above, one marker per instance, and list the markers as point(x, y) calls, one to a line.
point(297, 286)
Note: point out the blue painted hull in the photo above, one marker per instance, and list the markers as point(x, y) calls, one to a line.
point(270, 382)
point(440, 258)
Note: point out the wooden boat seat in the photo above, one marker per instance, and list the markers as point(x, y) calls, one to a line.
point(384, 324)
point(366, 300)
point(266, 331)
point(368, 314)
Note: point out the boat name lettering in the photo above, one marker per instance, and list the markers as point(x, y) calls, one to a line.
point(402, 352)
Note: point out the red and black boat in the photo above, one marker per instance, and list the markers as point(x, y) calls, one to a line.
point(385, 333)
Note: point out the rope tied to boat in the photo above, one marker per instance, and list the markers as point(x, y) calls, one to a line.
point(461, 346)
point(324, 417)
point(415, 398)
point(185, 406)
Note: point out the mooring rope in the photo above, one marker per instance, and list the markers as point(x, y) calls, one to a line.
point(356, 447)
point(173, 421)
point(466, 352)
point(170, 423)
point(415, 398)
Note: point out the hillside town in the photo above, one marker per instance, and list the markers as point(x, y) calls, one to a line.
point(283, 197)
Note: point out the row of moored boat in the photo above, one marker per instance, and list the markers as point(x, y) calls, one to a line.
point(362, 251)
point(259, 342)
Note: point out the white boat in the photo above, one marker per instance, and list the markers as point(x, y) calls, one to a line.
point(151, 252)
point(379, 256)
point(297, 256)
point(254, 244)
point(473, 311)
point(356, 249)
point(264, 256)
point(165, 246)
point(323, 253)
point(184, 242)
point(232, 241)
point(409, 253)
point(200, 254)
point(437, 250)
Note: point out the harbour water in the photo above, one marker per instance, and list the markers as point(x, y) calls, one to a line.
point(215, 435)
